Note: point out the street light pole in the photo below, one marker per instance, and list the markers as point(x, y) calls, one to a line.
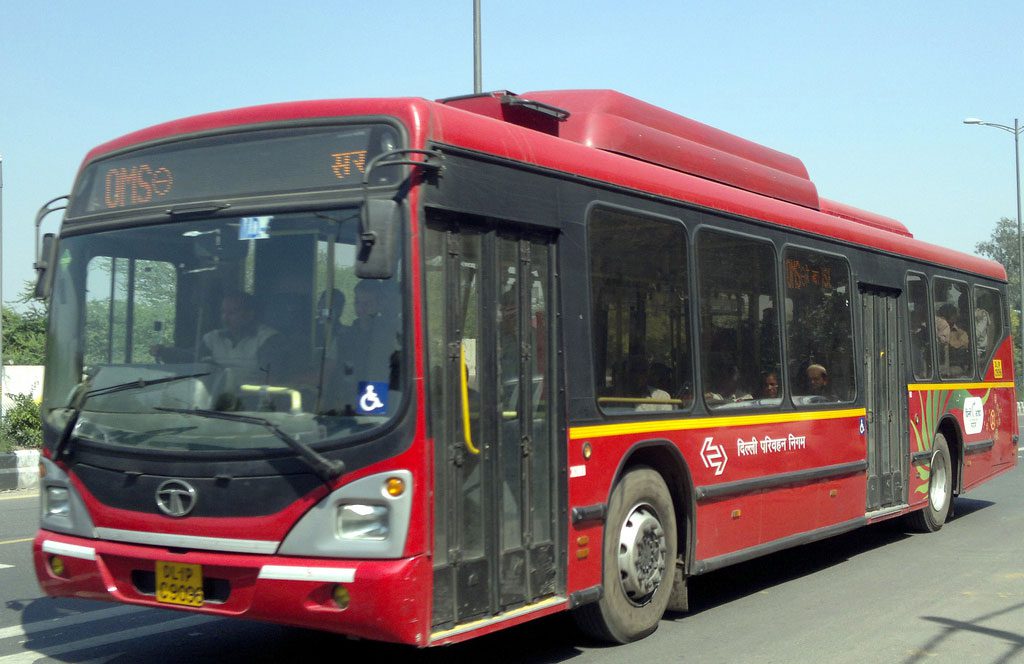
point(1, 286)
point(1016, 131)
point(478, 78)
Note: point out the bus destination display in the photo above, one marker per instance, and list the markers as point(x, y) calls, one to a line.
point(249, 163)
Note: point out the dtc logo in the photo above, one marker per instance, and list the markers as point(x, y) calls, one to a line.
point(713, 456)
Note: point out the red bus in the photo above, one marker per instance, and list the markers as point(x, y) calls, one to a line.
point(417, 371)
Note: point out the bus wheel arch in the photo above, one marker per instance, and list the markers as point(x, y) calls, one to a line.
point(950, 429)
point(941, 481)
point(646, 531)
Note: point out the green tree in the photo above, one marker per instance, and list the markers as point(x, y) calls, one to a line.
point(24, 330)
point(20, 427)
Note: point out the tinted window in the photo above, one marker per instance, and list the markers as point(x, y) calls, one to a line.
point(819, 338)
point(739, 321)
point(639, 291)
point(952, 325)
point(920, 327)
point(988, 324)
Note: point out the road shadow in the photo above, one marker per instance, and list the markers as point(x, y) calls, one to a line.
point(232, 641)
point(741, 580)
point(726, 585)
point(950, 627)
point(963, 507)
point(41, 609)
point(551, 639)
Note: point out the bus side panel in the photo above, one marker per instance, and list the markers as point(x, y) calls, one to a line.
point(590, 485)
point(986, 419)
point(781, 476)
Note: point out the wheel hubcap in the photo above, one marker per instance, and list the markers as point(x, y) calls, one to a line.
point(937, 494)
point(642, 549)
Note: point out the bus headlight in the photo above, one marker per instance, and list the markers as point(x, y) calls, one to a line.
point(58, 501)
point(368, 519)
point(60, 507)
point(363, 522)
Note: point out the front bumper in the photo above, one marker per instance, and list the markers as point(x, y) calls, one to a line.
point(389, 600)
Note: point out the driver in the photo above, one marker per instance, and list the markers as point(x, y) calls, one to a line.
point(254, 349)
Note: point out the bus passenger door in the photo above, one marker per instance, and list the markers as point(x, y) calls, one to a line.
point(885, 399)
point(491, 378)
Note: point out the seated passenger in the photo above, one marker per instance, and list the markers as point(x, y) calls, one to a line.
point(818, 383)
point(982, 330)
point(954, 352)
point(770, 386)
point(730, 391)
point(639, 377)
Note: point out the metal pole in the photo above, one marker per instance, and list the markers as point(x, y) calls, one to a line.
point(1, 286)
point(1020, 236)
point(478, 79)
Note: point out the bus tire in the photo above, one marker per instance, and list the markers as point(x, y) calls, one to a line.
point(940, 490)
point(638, 561)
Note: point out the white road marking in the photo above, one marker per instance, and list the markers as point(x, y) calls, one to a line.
point(20, 496)
point(2, 566)
point(98, 641)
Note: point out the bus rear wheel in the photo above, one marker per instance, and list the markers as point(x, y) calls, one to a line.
point(940, 490)
point(638, 563)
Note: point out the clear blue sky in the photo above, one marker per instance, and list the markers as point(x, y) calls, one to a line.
point(869, 94)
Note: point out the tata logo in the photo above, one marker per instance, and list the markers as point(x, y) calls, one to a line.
point(175, 498)
point(713, 456)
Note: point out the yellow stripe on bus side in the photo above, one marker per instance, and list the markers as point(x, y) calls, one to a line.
point(654, 426)
point(933, 387)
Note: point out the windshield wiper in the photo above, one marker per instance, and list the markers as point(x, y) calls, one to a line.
point(324, 468)
point(83, 394)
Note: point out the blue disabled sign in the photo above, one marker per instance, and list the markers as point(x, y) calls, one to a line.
point(373, 398)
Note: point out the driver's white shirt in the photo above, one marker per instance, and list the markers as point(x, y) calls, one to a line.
point(242, 355)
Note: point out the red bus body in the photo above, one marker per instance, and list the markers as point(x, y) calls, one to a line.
point(724, 464)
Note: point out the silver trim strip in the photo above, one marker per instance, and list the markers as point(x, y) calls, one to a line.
point(484, 622)
point(70, 550)
point(188, 541)
point(322, 574)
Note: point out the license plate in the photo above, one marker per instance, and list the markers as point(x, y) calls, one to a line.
point(179, 583)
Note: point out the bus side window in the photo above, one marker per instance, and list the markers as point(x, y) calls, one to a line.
point(952, 310)
point(739, 320)
point(819, 330)
point(988, 324)
point(920, 328)
point(638, 282)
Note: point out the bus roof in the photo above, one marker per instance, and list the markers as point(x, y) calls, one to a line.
point(607, 136)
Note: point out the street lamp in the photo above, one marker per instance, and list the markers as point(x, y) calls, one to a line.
point(1015, 130)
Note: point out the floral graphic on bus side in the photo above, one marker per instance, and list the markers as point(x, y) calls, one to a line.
point(935, 404)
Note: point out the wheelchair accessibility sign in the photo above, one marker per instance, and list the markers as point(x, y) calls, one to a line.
point(373, 399)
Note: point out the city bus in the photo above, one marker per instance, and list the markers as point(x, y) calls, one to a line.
point(417, 371)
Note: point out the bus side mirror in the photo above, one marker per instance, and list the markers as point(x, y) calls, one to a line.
point(378, 233)
point(44, 275)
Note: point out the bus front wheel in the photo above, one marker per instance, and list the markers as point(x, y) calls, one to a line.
point(638, 563)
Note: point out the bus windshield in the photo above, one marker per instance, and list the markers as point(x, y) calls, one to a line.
point(160, 325)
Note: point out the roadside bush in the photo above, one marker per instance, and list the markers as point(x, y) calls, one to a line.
point(20, 427)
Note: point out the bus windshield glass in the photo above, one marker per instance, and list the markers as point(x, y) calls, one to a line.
point(154, 328)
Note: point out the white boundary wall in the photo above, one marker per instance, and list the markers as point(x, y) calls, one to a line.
point(24, 379)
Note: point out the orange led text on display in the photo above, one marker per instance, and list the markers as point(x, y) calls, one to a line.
point(801, 275)
point(137, 185)
point(344, 161)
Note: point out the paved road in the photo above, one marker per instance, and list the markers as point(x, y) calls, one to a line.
point(874, 595)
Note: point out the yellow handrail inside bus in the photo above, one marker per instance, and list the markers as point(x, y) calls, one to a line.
point(294, 396)
point(464, 383)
